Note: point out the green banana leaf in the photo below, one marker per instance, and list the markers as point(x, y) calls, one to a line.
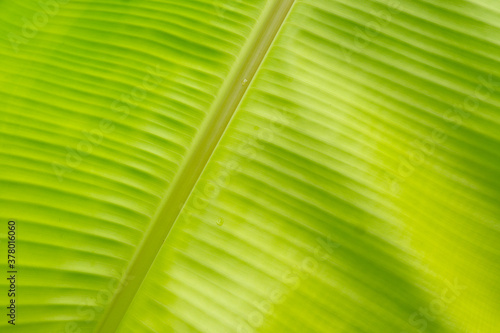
point(250, 166)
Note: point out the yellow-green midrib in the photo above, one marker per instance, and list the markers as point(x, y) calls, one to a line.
point(81, 229)
point(303, 220)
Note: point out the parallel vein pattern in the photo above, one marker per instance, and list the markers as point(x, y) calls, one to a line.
point(356, 188)
point(101, 102)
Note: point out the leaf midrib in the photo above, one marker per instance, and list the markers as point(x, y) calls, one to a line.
point(220, 114)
